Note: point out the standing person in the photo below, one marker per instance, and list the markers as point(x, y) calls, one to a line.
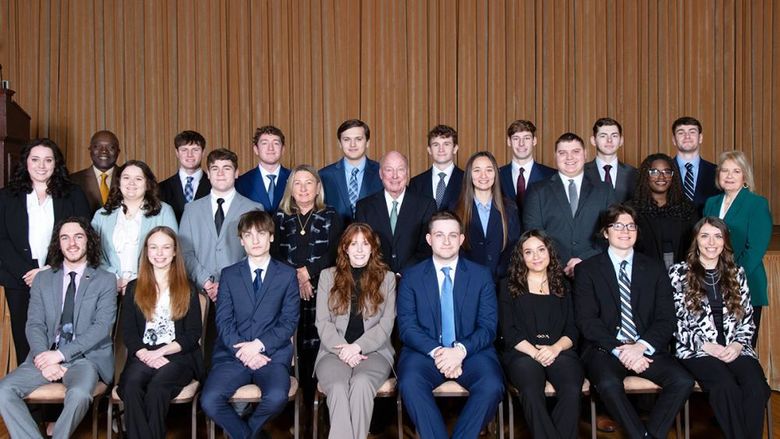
point(607, 138)
point(265, 183)
point(37, 197)
point(750, 224)
point(96, 180)
point(537, 323)
point(715, 328)
point(355, 316)
point(696, 174)
point(190, 183)
point(161, 326)
point(442, 180)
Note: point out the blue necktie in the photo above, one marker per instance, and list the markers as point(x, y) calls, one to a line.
point(188, 191)
point(271, 188)
point(353, 189)
point(257, 284)
point(447, 310)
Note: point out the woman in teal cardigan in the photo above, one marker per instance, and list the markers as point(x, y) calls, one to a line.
point(749, 220)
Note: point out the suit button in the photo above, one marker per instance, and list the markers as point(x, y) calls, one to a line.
point(574, 243)
point(394, 256)
point(490, 258)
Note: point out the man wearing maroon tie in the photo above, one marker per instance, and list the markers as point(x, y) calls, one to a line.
point(608, 138)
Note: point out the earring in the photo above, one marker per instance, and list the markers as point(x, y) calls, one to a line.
point(745, 185)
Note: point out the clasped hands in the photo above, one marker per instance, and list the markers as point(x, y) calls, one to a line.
point(633, 357)
point(249, 354)
point(727, 353)
point(154, 359)
point(350, 354)
point(48, 362)
point(546, 355)
point(449, 361)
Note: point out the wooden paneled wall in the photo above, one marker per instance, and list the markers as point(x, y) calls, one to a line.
point(149, 69)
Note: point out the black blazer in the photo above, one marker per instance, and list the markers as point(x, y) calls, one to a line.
point(539, 173)
point(486, 249)
point(705, 183)
point(597, 303)
point(626, 179)
point(15, 255)
point(408, 246)
point(172, 192)
point(423, 185)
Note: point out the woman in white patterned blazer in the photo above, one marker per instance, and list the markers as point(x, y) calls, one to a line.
point(714, 330)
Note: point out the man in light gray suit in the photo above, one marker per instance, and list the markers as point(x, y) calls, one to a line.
point(72, 310)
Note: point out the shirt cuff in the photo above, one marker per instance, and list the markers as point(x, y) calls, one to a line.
point(461, 347)
point(62, 356)
point(650, 349)
point(262, 346)
point(432, 353)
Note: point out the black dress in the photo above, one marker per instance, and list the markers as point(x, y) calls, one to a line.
point(665, 233)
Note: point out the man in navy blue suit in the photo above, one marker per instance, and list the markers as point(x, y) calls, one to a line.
point(447, 317)
point(354, 176)
point(257, 313)
point(265, 183)
point(697, 174)
point(442, 181)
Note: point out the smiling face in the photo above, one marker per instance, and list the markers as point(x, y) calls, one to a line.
point(394, 173)
point(189, 156)
point(256, 243)
point(442, 151)
point(687, 138)
point(710, 242)
point(269, 150)
point(160, 250)
point(622, 239)
point(354, 144)
point(40, 164)
point(305, 189)
point(445, 239)
point(73, 243)
point(222, 175)
point(132, 183)
point(660, 178)
point(607, 140)
point(104, 150)
point(522, 144)
point(535, 255)
point(359, 251)
point(570, 158)
point(483, 174)
point(731, 176)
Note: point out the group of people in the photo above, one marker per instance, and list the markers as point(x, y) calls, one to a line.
point(590, 269)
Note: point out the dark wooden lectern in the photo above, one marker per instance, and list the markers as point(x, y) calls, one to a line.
point(14, 133)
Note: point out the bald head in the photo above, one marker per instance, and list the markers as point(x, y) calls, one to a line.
point(104, 150)
point(394, 173)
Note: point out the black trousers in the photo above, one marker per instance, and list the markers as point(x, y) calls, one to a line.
point(757, 321)
point(18, 300)
point(147, 393)
point(738, 392)
point(566, 375)
point(606, 374)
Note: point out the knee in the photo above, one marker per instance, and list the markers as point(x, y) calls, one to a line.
point(489, 387)
point(78, 396)
point(410, 383)
point(130, 391)
point(609, 386)
point(276, 398)
point(362, 384)
point(157, 394)
point(210, 400)
point(7, 395)
point(336, 389)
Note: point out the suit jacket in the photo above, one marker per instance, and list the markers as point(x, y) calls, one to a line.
point(251, 185)
point(486, 249)
point(597, 302)
point(547, 208)
point(93, 318)
point(750, 227)
point(334, 183)
point(377, 328)
point(271, 318)
point(626, 179)
point(423, 185)
point(89, 184)
point(15, 255)
point(539, 172)
point(104, 225)
point(205, 253)
point(419, 308)
point(408, 246)
point(172, 192)
point(705, 183)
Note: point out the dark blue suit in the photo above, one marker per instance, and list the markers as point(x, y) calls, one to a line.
point(251, 185)
point(486, 249)
point(272, 318)
point(423, 184)
point(419, 326)
point(704, 187)
point(334, 183)
point(539, 172)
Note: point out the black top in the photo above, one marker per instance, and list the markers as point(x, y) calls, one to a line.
point(712, 285)
point(665, 230)
point(355, 327)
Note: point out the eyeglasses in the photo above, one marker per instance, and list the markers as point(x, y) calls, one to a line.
point(619, 227)
point(655, 173)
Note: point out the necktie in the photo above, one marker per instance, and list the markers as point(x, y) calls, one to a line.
point(188, 192)
point(104, 187)
point(688, 182)
point(573, 198)
point(607, 175)
point(440, 190)
point(447, 310)
point(66, 321)
point(520, 190)
point(219, 217)
point(271, 188)
point(627, 328)
point(393, 216)
point(257, 284)
point(353, 189)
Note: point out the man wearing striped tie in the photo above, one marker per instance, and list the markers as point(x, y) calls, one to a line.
point(697, 174)
point(443, 179)
point(190, 182)
point(624, 310)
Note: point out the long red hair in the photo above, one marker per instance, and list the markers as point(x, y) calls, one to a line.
point(146, 293)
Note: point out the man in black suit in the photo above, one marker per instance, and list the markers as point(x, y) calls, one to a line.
point(190, 183)
point(400, 217)
point(443, 180)
point(608, 138)
point(697, 174)
point(625, 312)
point(95, 180)
point(567, 205)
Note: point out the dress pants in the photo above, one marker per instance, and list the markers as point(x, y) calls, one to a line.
point(757, 320)
point(350, 392)
point(606, 374)
point(80, 380)
point(147, 393)
point(18, 300)
point(737, 392)
point(529, 377)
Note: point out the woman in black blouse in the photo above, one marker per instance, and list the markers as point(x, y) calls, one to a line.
point(537, 323)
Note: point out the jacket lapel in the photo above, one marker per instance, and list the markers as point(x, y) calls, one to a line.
point(342, 183)
point(86, 279)
point(369, 175)
point(736, 206)
point(246, 278)
point(459, 290)
point(270, 275)
point(432, 291)
point(585, 190)
point(561, 196)
point(609, 275)
point(58, 300)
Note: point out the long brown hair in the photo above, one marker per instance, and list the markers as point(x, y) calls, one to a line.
point(465, 204)
point(729, 285)
point(146, 293)
point(374, 274)
point(517, 278)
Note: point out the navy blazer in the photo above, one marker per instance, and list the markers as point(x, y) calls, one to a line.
point(539, 172)
point(705, 183)
point(423, 184)
point(272, 318)
point(172, 192)
point(486, 249)
point(334, 183)
point(626, 179)
point(251, 185)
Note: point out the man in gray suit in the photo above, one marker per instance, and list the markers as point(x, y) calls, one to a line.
point(72, 310)
point(608, 138)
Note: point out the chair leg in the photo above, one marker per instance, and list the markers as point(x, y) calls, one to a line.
point(769, 433)
point(687, 418)
point(210, 428)
point(95, 405)
point(109, 414)
point(501, 420)
point(400, 415)
point(593, 433)
point(194, 417)
point(511, 415)
point(297, 417)
point(678, 427)
point(315, 414)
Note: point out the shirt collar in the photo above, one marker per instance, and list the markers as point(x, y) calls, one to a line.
point(528, 166)
point(196, 176)
point(600, 163)
point(108, 172)
point(681, 163)
point(265, 173)
point(577, 179)
point(616, 260)
point(349, 166)
point(438, 266)
point(448, 170)
point(79, 269)
point(253, 267)
point(389, 199)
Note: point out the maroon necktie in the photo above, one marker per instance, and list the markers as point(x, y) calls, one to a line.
point(520, 188)
point(607, 175)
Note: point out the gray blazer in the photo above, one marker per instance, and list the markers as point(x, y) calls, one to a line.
point(93, 315)
point(378, 327)
point(205, 253)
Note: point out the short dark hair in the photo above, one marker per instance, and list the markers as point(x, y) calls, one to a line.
point(686, 120)
point(353, 123)
point(442, 216)
point(569, 137)
point(267, 129)
point(606, 122)
point(55, 256)
point(257, 219)
point(444, 131)
point(188, 137)
point(519, 126)
point(222, 154)
point(613, 212)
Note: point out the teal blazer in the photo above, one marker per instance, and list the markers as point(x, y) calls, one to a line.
point(750, 226)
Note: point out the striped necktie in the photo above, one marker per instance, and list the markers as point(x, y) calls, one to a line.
point(627, 327)
point(353, 189)
point(688, 187)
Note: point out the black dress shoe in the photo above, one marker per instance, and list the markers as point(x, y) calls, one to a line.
point(605, 423)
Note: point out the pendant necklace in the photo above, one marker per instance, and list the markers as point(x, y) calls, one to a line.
point(303, 224)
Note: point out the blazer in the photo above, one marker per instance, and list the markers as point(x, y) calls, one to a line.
point(486, 249)
point(419, 308)
point(705, 183)
point(750, 227)
point(94, 312)
point(408, 245)
point(188, 331)
point(271, 318)
point(547, 208)
point(423, 185)
point(89, 184)
point(597, 303)
point(172, 192)
point(694, 329)
point(539, 172)
point(626, 179)
point(205, 253)
point(377, 328)
point(104, 225)
point(251, 185)
point(15, 255)
point(334, 183)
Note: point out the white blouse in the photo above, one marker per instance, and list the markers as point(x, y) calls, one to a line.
point(41, 224)
point(161, 329)
point(125, 239)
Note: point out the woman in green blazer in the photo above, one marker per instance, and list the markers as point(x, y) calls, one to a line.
point(749, 220)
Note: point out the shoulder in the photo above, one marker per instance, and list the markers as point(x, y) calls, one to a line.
point(374, 199)
point(101, 275)
point(170, 181)
point(81, 175)
point(234, 269)
point(245, 203)
point(546, 170)
point(415, 272)
point(372, 165)
point(248, 175)
point(283, 269)
point(474, 270)
point(330, 169)
point(679, 270)
point(284, 173)
point(165, 208)
point(754, 198)
point(420, 178)
point(707, 166)
point(506, 169)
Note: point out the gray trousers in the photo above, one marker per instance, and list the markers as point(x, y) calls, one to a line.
point(80, 380)
point(351, 392)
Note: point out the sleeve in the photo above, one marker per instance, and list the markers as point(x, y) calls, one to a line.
point(195, 270)
point(510, 322)
point(328, 259)
point(102, 323)
point(533, 214)
point(128, 322)
point(689, 336)
point(423, 250)
point(759, 234)
point(168, 218)
point(192, 325)
point(35, 329)
point(587, 310)
point(570, 327)
point(279, 335)
point(98, 221)
point(279, 232)
point(487, 318)
point(409, 329)
point(225, 319)
point(326, 321)
point(377, 336)
point(11, 260)
point(745, 327)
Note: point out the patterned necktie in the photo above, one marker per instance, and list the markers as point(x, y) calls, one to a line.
point(188, 191)
point(608, 176)
point(573, 198)
point(219, 217)
point(688, 182)
point(627, 328)
point(393, 216)
point(271, 188)
point(353, 189)
point(520, 189)
point(440, 190)
point(104, 187)
point(257, 284)
point(66, 321)
point(447, 310)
